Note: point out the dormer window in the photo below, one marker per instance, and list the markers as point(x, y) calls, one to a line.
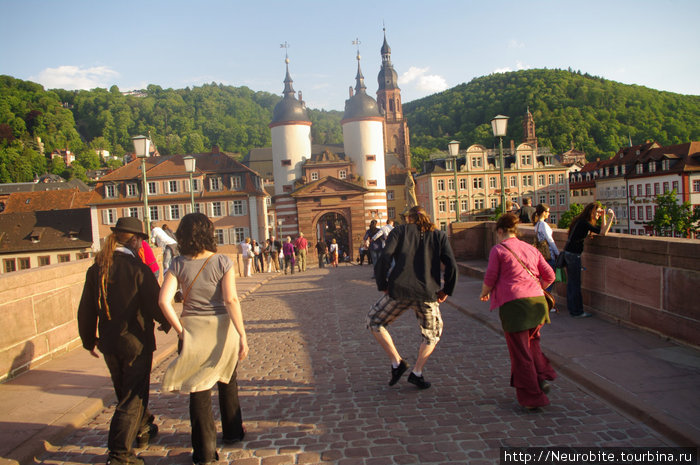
point(342, 174)
point(73, 234)
point(110, 191)
point(640, 168)
point(314, 175)
point(35, 235)
point(652, 167)
point(131, 190)
point(215, 184)
point(666, 164)
point(235, 182)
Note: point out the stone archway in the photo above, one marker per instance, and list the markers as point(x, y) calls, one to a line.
point(333, 225)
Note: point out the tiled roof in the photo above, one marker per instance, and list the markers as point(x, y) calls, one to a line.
point(46, 200)
point(9, 188)
point(45, 230)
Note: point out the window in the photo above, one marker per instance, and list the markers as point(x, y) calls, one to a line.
point(44, 260)
point(550, 179)
point(219, 236)
point(82, 255)
point(449, 165)
point(615, 170)
point(453, 205)
point(666, 187)
point(560, 178)
point(513, 181)
point(239, 235)
point(370, 157)
point(443, 226)
point(648, 190)
point(174, 212)
point(649, 214)
point(63, 258)
point(391, 212)
point(268, 201)
point(214, 184)
point(195, 185)
point(154, 213)
point(640, 168)
point(696, 185)
point(525, 159)
point(665, 165)
point(390, 195)
point(652, 167)
point(639, 190)
point(236, 181)
point(441, 206)
point(632, 216)
point(286, 162)
point(131, 190)
point(24, 263)
point(553, 218)
point(109, 216)
point(478, 183)
point(552, 198)
point(479, 204)
point(631, 191)
point(527, 180)
point(607, 170)
point(314, 175)
point(640, 213)
point(134, 212)
point(464, 205)
point(562, 199)
point(342, 174)
point(542, 198)
point(675, 186)
point(216, 209)
point(237, 208)
point(492, 182)
point(172, 187)
point(152, 188)
point(476, 162)
point(540, 179)
point(450, 184)
point(657, 188)
point(441, 185)
point(494, 203)
point(9, 265)
point(463, 183)
point(110, 191)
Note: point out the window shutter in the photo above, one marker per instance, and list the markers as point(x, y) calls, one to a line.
point(232, 236)
point(105, 216)
point(140, 213)
point(231, 211)
point(186, 185)
point(210, 209)
point(125, 211)
point(246, 232)
point(245, 208)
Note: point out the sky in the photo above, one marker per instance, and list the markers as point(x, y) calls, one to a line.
point(436, 45)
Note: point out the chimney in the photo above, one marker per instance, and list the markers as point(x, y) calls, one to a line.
point(512, 147)
point(350, 91)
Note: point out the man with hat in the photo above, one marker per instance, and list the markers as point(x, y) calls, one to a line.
point(116, 314)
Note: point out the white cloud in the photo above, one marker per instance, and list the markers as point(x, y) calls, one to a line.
point(519, 65)
point(428, 83)
point(75, 77)
point(514, 43)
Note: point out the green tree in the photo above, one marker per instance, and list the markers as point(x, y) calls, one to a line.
point(673, 217)
point(574, 210)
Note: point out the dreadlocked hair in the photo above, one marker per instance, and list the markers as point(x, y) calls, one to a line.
point(420, 218)
point(104, 260)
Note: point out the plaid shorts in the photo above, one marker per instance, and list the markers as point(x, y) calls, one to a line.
point(386, 310)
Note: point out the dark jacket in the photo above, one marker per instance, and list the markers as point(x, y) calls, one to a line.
point(526, 214)
point(417, 264)
point(132, 296)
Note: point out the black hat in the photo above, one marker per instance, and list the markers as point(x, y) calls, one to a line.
point(130, 224)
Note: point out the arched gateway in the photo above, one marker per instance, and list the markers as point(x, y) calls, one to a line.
point(333, 225)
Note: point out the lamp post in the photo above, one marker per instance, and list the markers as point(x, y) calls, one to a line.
point(453, 148)
point(190, 163)
point(499, 124)
point(141, 146)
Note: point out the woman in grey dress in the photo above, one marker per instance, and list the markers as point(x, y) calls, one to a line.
point(211, 331)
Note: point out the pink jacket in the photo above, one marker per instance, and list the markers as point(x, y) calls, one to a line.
point(507, 276)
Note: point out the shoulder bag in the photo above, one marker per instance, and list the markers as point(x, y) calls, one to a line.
point(548, 297)
point(179, 296)
point(542, 246)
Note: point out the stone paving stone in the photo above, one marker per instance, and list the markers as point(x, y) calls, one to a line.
point(314, 390)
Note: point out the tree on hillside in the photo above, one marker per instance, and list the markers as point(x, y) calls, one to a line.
point(672, 217)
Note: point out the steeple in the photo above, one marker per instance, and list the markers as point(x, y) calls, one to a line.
point(289, 109)
point(288, 89)
point(359, 79)
point(529, 128)
point(387, 78)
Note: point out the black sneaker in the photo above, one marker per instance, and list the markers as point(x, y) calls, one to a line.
point(418, 381)
point(146, 435)
point(397, 372)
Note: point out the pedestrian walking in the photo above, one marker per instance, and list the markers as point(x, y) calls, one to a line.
point(166, 242)
point(417, 250)
point(321, 251)
point(212, 337)
point(333, 251)
point(516, 274)
point(247, 256)
point(302, 246)
point(288, 252)
point(120, 302)
point(581, 227)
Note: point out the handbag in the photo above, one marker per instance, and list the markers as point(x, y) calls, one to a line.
point(182, 296)
point(542, 246)
point(560, 275)
point(547, 296)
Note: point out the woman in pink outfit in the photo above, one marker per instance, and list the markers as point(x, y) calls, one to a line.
point(522, 307)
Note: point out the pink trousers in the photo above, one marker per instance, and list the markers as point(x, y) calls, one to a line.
point(528, 366)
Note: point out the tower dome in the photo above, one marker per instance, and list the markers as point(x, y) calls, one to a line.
point(360, 105)
point(289, 108)
point(388, 78)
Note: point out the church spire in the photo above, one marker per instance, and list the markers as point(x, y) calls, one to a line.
point(359, 78)
point(288, 89)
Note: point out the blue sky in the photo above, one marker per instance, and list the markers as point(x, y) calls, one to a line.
point(82, 44)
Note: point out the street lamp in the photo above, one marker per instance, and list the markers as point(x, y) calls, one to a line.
point(499, 124)
point(453, 148)
point(190, 163)
point(141, 146)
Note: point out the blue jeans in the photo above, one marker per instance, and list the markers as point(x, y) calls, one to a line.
point(574, 298)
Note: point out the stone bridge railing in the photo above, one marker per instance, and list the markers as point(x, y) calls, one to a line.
point(647, 282)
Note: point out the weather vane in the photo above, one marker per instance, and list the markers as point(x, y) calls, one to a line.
point(285, 46)
point(357, 42)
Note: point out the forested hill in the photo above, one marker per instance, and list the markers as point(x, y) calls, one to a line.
point(597, 115)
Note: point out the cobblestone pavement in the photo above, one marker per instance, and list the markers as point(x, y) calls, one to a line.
point(314, 390)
